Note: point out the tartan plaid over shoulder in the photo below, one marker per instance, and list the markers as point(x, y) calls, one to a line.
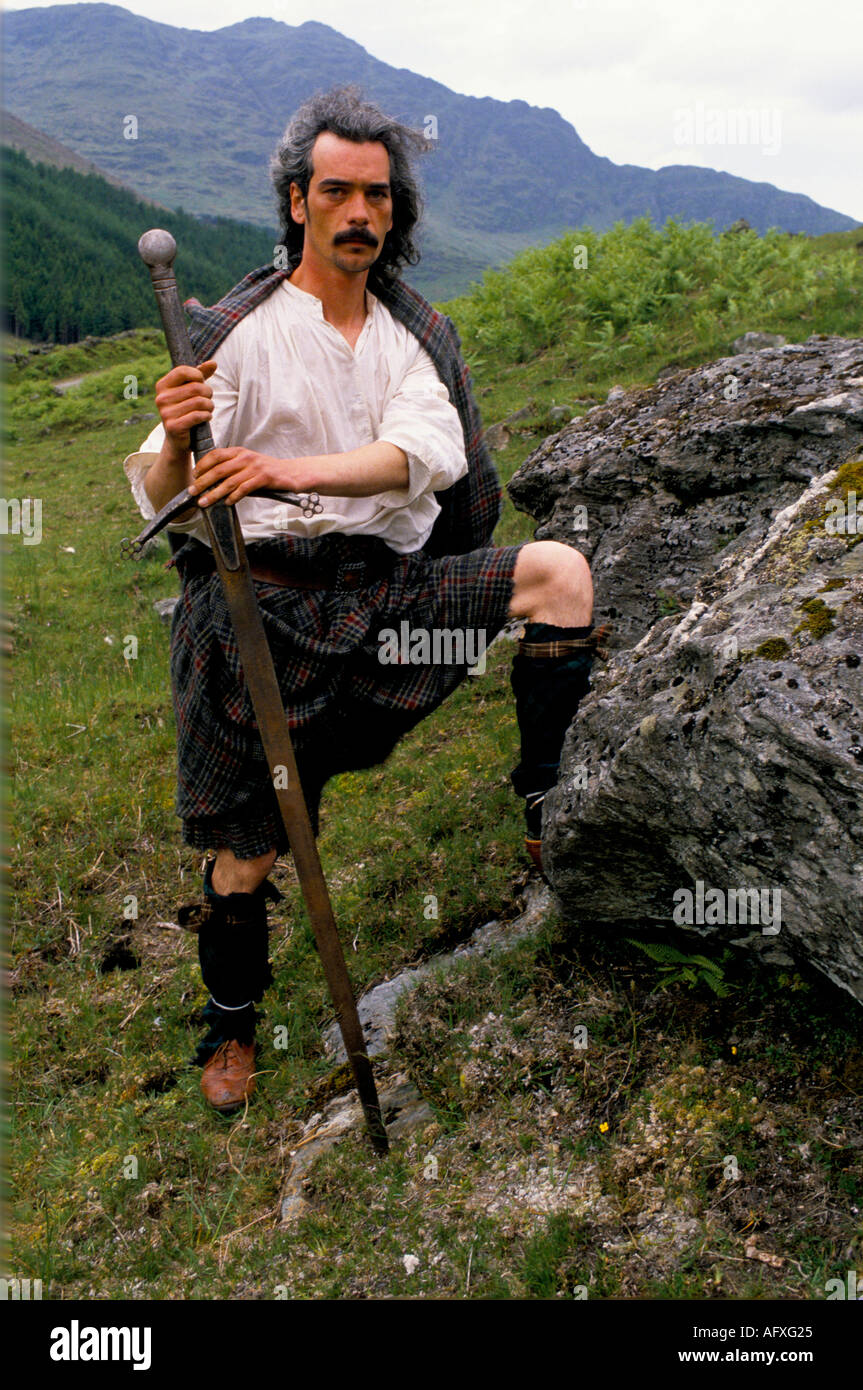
point(470, 509)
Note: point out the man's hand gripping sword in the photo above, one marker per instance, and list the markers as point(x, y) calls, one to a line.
point(158, 248)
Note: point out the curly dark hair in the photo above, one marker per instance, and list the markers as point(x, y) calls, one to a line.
point(345, 112)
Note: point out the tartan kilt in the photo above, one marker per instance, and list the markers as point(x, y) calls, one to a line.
point(346, 708)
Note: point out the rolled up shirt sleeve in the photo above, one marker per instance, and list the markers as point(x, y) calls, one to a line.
point(137, 465)
point(420, 419)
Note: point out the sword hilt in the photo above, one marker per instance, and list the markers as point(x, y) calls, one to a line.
point(157, 249)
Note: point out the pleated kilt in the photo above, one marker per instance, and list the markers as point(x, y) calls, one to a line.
point(346, 707)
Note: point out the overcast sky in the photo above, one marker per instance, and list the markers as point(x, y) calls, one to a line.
point(652, 83)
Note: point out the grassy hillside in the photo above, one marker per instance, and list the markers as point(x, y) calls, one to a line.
point(639, 292)
point(557, 1169)
point(545, 334)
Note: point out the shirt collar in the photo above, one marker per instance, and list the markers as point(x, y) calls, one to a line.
point(315, 309)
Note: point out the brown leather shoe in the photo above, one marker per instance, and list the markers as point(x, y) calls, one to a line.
point(227, 1078)
point(534, 849)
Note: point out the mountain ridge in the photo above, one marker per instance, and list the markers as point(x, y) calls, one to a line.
point(78, 71)
point(41, 148)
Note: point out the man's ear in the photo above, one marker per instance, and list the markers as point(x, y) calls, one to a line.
point(298, 203)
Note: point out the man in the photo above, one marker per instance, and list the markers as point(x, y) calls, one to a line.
point(323, 383)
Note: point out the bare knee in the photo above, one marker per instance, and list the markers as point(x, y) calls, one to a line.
point(552, 585)
point(233, 875)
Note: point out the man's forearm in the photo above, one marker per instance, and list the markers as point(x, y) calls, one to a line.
point(171, 474)
point(362, 472)
point(229, 474)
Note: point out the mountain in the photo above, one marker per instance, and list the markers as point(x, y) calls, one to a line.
point(209, 109)
point(41, 149)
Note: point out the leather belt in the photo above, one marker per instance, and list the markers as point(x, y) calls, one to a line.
point(340, 566)
point(272, 574)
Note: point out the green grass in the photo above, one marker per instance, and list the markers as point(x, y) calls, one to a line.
point(123, 1185)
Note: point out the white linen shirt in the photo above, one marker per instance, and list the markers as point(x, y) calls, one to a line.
point(289, 385)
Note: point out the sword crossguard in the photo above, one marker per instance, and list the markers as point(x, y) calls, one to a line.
point(309, 503)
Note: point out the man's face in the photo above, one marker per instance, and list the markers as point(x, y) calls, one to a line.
point(349, 208)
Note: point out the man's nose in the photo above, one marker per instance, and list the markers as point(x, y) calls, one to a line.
point(357, 209)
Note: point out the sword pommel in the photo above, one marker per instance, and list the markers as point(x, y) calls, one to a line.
point(157, 247)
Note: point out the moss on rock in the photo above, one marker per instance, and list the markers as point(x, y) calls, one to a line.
point(774, 649)
point(819, 618)
point(849, 478)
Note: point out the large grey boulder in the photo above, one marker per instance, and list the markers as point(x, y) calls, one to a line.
point(656, 488)
point(714, 775)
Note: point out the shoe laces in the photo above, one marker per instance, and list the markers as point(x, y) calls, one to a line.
point(223, 1053)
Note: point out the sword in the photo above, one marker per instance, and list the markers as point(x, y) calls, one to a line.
point(157, 249)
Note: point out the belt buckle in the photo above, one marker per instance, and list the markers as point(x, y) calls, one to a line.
point(350, 575)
